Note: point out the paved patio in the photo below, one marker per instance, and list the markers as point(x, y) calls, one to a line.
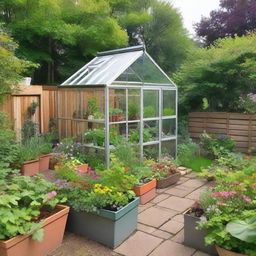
point(160, 226)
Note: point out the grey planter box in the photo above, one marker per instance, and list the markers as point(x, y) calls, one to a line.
point(195, 238)
point(108, 227)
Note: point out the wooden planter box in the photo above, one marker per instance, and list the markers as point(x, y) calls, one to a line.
point(24, 245)
point(172, 179)
point(107, 227)
point(195, 238)
point(44, 162)
point(30, 167)
point(146, 192)
point(224, 252)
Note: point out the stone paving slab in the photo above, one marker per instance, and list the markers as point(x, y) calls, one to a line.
point(194, 183)
point(198, 253)
point(179, 191)
point(168, 248)
point(145, 228)
point(162, 234)
point(179, 237)
point(140, 244)
point(160, 198)
point(195, 195)
point(172, 226)
point(176, 203)
point(179, 218)
point(155, 216)
point(144, 207)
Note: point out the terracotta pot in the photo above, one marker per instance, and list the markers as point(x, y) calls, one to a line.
point(147, 197)
point(146, 192)
point(172, 179)
point(224, 252)
point(44, 162)
point(54, 227)
point(141, 190)
point(83, 168)
point(30, 167)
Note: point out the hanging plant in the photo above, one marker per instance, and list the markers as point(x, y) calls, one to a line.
point(32, 108)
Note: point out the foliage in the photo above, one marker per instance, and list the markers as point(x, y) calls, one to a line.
point(8, 146)
point(115, 111)
point(98, 197)
point(11, 67)
point(145, 19)
point(187, 152)
point(149, 111)
point(216, 146)
point(29, 129)
point(22, 199)
point(32, 108)
point(163, 168)
point(168, 112)
point(232, 18)
point(92, 108)
point(61, 35)
point(231, 202)
point(201, 77)
point(133, 110)
point(244, 230)
point(68, 170)
point(248, 103)
point(198, 163)
point(117, 176)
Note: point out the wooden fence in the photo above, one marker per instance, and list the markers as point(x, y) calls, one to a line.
point(240, 127)
point(16, 106)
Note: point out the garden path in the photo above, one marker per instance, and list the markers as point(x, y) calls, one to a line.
point(160, 226)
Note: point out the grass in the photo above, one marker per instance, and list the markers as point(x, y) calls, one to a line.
point(197, 163)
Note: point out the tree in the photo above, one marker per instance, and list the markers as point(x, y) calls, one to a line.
point(61, 35)
point(218, 75)
point(158, 25)
point(235, 17)
point(11, 67)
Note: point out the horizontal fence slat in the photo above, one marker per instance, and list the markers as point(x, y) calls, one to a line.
point(240, 127)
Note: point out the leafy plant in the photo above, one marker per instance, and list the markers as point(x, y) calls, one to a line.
point(149, 111)
point(133, 110)
point(22, 200)
point(32, 108)
point(244, 230)
point(29, 129)
point(187, 152)
point(92, 106)
point(115, 111)
point(248, 103)
point(168, 112)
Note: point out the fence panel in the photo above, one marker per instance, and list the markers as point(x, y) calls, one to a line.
point(240, 127)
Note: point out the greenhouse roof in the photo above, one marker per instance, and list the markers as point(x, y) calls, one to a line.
point(131, 64)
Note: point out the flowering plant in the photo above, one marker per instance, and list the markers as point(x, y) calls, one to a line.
point(22, 200)
point(232, 199)
point(163, 168)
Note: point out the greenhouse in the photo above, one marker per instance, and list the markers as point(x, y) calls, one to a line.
point(120, 94)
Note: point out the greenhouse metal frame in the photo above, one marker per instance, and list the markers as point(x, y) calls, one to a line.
point(126, 78)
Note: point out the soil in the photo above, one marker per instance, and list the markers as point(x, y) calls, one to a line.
point(45, 213)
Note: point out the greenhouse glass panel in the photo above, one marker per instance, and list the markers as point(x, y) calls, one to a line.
point(151, 151)
point(168, 148)
point(151, 103)
point(117, 105)
point(169, 103)
point(168, 128)
point(134, 104)
point(134, 133)
point(150, 131)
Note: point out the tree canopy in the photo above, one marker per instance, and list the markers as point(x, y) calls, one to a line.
point(218, 75)
point(11, 67)
point(235, 17)
point(62, 35)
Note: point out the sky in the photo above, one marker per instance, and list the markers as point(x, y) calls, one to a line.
point(193, 10)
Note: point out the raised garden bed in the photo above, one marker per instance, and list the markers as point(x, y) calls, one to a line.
point(146, 192)
point(107, 227)
point(168, 181)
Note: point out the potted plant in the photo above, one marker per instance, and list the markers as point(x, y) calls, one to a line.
point(165, 172)
point(229, 218)
point(45, 149)
point(28, 158)
point(134, 111)
point(116, 115)
point(192, 236)
point(146, 186)
point(29, 213)
point(106, 211)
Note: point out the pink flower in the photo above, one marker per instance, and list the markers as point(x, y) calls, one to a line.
point(51, 195)
point(246, 198)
